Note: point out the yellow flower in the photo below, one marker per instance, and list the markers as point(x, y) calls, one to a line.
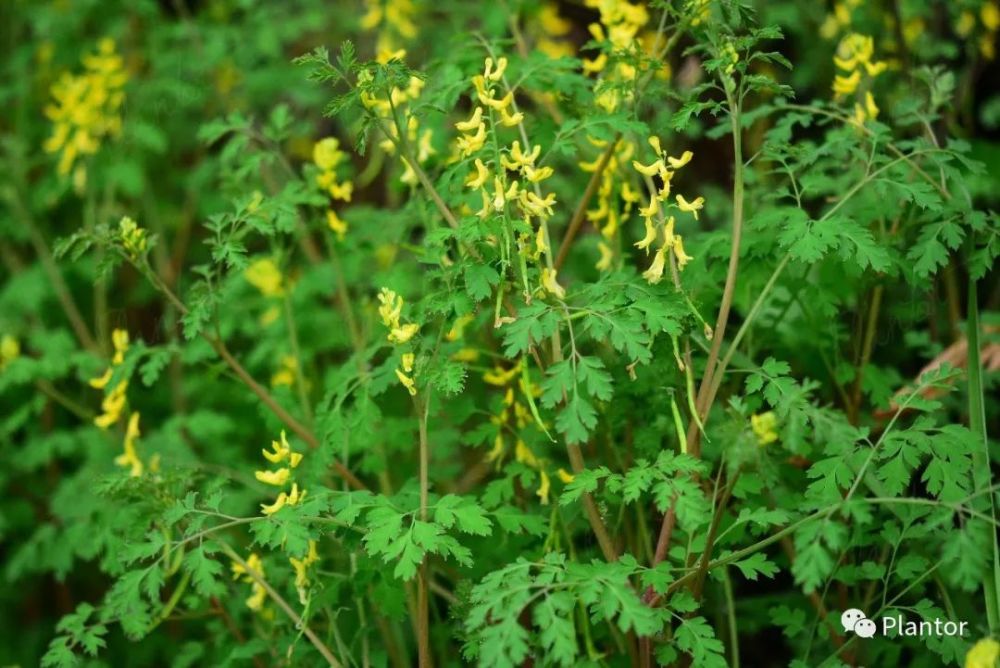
point(551, 284)
point(457, 330)
point(500, 377)
point(510, 120)
point(685, 158)
point(119, 340)
point(327, 154)
point(336, 224)
point(966, 23)
point(764, 427)
point(132, 236)
point(565, 476)
point(391, 307)
point(301, 567)
point(537, 175)
point(403, 333)
point(10, 350)
point(279, 452)
point(264, 275)
point(476, 181)
point(870, 106)
point(652, 209)
point(495, 75)
point(279, 503)
point(288, 372)
point(543, 488)
point(130, 457)
point(990, 16)
point(277, 478)
point(691, 207)
point(86, 107)
point(604, 263)
point(469, 144)
point(682, 257)
point(984, 654)
point(294, 496)
point(650, 236)
point(524, 455)
point(655, 272)
point(651, 169)
point(112, 406)
point(255, 566)
point(474, 122)
point(500, 104)
point(407, 382)
point(846, 85)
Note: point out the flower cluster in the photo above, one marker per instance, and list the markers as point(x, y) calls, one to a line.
point(281, 452)
point(764, 427)
point(258, 594)
point(10, 349)
point(394, 21)
point(671, 242)
point(608, 214)
point(513, 417)
point(554, 29)
point(853, 59)
point(114, 401)
point(984, 654)
point(989, 18)
point(618, 32)
point(391, 310)
point(265, 275)
point(301, 567)
point(132, 237)
point(327, 156)
point(86, 107)
point(510, 184)
point(130, 457)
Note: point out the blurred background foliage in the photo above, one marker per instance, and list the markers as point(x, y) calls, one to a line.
point(192, 71)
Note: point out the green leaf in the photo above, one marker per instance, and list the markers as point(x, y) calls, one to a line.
point(479, 280)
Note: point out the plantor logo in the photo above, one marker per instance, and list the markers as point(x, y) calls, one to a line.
point(856, 621)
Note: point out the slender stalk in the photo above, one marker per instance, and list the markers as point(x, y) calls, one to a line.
point(69, 307)
point(703, 403)
point(866, 349)
point(734, 632)
point(423, 618)
point(581, 208)
point(283, 604)
point(980, 456)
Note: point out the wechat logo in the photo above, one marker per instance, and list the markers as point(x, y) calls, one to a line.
point(856, 621)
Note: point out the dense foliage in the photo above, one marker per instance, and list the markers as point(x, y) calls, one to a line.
point(577, 332)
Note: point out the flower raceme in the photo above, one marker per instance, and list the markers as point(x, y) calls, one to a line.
point(391, 310)
point(130, 458)
point(258, 594)
point(672, 243)
point(327, 155)
point(854, 60)
point(86, 108)
point(280, 453)
point(114, 401)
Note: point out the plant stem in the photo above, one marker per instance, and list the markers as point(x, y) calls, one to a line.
point(59, 286)
point(423, 618)
point(982, 475)
point(581, 208)
point(866, 350)
point(703, 402)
